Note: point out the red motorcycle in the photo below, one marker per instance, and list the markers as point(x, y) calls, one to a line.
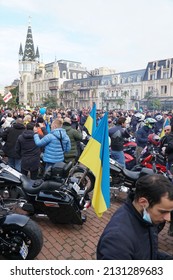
point(129, 149)
point(154, 157)
point(151, 157)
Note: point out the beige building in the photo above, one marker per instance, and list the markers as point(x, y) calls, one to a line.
point(158, 80)
point(114, 91)
point(75, 87)
point(39, 80)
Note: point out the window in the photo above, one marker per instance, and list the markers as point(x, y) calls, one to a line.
point(79, 76)
point(163, 89)
point(165, 75)
point(154, 65)
point(150, 89)
point(129, 79)
point(64, 74)
point(152, 76)
point(74, 75)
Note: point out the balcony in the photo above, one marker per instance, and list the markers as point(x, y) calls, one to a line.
point(134, 97)
point(111, 97)
point(53, 87)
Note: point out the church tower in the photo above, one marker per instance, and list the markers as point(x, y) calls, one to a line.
point(28, 63)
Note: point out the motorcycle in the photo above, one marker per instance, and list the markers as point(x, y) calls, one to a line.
point(129, 146)
point(20, 237)
point(57, 195)
point(122, 180)
point(151, 158)
point(129, 149)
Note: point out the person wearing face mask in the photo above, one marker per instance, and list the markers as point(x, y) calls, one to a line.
point(132, 233)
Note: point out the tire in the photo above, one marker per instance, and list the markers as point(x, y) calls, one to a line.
point(87, 182)
point(30, 234)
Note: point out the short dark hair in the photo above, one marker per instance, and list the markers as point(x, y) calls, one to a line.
point(30, 126)
point(153, 188)
point(121, 120)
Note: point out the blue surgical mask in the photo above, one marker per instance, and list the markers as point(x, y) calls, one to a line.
point(146, 216)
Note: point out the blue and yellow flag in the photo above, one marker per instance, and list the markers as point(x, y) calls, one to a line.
point(96, 157)
point(90, 123)
point(166, 122)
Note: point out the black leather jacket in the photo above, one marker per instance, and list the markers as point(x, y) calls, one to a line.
point(117, 135)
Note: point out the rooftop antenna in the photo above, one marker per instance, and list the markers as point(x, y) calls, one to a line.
point(29, 20)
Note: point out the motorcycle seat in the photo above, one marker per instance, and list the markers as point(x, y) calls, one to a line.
point(28, 185)
point(131, 174)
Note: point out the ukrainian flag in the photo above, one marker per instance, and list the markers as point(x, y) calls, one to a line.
point(90, 123)
point(96, 157)
point(166, 122)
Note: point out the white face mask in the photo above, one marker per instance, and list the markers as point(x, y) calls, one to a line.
point(146, 216)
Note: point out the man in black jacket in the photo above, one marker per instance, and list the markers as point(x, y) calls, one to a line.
point(132, 233)
point(117, 134)
point(29, 152)
point(10, 136)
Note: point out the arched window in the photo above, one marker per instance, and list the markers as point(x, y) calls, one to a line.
point(64, 74)
point(74, 75)
point(79, 76)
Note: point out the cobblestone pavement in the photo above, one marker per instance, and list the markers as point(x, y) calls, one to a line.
point(78, 242)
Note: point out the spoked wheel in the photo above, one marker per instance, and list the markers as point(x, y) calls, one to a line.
point(23, 242)
point(87, 181)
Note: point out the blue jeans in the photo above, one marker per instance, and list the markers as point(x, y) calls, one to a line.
point(119, 156)
point(15, 163)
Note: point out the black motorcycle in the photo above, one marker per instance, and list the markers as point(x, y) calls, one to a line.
point(57, 195)
point(121, 179)
point(20, 237)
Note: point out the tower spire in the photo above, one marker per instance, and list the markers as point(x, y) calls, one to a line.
point(29, 52)
point(37, 56)
point(20, 49)
point(29, 21)
point(20, 52)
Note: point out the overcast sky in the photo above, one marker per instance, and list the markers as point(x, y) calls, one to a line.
point(120, 34)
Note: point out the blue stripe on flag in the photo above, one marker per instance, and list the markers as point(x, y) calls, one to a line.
point(96, 157)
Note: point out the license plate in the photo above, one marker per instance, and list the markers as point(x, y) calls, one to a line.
point(76, 187)
point(111, 161)
point(24, 251)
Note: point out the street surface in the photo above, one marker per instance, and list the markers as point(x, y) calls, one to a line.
point(78, 242)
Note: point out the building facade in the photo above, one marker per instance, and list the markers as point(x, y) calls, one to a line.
point(158, 81)
point(115, 91)
point(75, 87)
point(39, 80)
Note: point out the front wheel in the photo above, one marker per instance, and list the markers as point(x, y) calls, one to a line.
point(23, 242)
point(87, 181)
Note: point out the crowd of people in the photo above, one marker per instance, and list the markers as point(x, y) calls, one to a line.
point(26, 134)
point(39, 130)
